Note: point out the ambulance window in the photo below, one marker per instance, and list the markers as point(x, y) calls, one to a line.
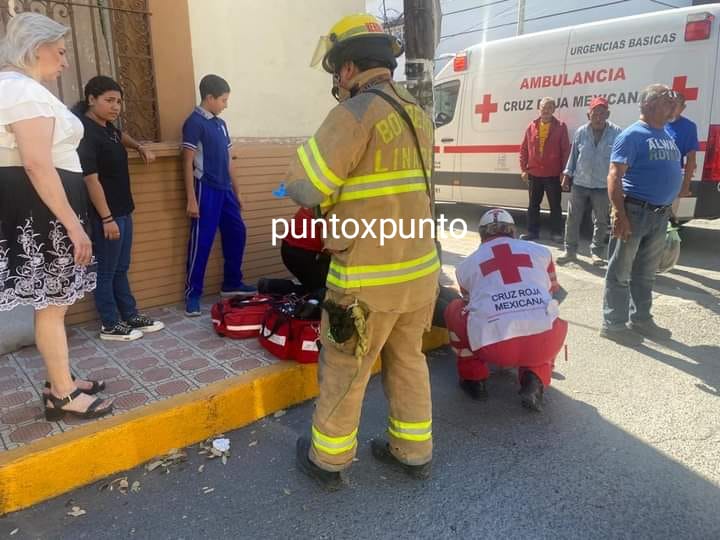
point(446, 96)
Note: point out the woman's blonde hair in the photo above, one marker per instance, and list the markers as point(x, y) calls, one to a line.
point(25, 33)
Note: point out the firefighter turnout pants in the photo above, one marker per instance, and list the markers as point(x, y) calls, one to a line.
point(397, 337)
point(534, 353)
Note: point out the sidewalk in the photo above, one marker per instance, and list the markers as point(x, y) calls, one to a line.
point(171, 389)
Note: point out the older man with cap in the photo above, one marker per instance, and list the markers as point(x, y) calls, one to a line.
point(643, 182)
point(587, 170)
point(508, 316)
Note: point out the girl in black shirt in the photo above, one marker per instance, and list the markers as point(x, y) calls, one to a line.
point(104, 160)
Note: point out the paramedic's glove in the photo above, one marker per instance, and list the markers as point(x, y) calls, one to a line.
point(525, 177)
point(621, 225)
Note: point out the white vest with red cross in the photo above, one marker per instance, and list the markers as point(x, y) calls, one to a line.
point(509, 284)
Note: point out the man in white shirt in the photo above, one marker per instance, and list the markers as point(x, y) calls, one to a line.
point(508, 316)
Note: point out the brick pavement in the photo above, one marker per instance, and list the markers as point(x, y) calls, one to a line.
point(187, 355)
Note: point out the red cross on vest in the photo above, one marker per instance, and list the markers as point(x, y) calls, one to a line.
point(507, 263)
point(680, 85)
point(485, 108)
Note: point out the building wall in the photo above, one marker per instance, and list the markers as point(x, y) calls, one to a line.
point(157, 272)
point(265, 55)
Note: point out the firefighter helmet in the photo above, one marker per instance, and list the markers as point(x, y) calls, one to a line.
point(351, 30)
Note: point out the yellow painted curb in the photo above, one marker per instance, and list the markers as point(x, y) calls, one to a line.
point(57, 464)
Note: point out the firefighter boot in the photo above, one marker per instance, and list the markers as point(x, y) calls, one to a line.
point(381, 452)
point(332, 481)
point(531, 391)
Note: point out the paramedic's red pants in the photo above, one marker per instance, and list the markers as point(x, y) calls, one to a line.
point(535, 353)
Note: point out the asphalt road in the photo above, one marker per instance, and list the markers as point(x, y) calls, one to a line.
point(627, 447)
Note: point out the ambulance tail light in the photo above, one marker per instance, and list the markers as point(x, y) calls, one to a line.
point(460, 62)
point(711, 166)
point(698, 26)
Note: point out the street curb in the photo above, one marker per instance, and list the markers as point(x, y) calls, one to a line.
point(55, 465)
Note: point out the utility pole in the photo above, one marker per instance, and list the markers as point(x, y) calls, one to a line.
point(521, 18)
point(421, 34)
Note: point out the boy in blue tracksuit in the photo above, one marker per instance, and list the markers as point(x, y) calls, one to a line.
point(212, 197)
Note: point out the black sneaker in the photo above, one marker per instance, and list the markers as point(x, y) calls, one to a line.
point(332, 481)
point(650, 330)
point(120, 332)
point(477, 390)
point(622, 336)
point(144, 323)
point(531, 392)
point(381, 451)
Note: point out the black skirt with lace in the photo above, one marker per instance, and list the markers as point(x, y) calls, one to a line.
point(37, 267)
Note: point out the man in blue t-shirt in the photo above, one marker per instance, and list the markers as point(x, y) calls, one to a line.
point(212, 196)
point(643, 181)
point(684, 131)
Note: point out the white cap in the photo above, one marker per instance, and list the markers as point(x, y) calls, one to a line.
point(496, 215)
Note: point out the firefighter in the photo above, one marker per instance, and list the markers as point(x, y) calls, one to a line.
point(366, 163)
point(509, 316)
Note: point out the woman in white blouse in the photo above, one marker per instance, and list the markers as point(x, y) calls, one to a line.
point(45, 253)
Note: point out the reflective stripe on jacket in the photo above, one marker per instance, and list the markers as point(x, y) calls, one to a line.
point(362, 164)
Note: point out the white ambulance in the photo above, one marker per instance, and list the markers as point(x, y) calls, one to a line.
point(489, 93)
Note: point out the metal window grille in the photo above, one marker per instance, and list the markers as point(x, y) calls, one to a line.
point(107, 37)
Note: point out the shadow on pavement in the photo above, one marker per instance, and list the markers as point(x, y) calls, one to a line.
point(499, 471)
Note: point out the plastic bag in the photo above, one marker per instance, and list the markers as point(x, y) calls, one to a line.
point(671, 251)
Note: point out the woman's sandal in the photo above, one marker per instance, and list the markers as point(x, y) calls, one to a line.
point(97, 386)
point(56, 412)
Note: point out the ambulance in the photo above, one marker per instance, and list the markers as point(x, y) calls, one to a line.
point(488, 94)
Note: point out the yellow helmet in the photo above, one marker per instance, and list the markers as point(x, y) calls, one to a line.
point(350, 29)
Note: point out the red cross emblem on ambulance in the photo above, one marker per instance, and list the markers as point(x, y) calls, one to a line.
point(679, 84)
point(486, 108)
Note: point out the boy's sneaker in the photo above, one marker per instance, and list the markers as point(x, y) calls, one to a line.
point(192, 307)
point(120, 332)
point(144, 323)
point(242, 290)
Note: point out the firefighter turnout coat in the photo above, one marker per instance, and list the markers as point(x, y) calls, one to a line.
point(362, 167)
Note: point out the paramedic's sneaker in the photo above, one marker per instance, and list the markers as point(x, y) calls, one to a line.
point(242, 290)
point(597, 260)
point(192, 307)
point(144, 323)
point(529, 237)
point(381, 451)
point(566, 257)
point(332, 481)
point(531, 392)
point(557, 238)
point(120, 332)
point(622, 336)
point(650, 330)
point(475, 389)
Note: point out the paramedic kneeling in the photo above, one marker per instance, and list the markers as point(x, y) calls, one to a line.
point(508, 316)
point(643, 182)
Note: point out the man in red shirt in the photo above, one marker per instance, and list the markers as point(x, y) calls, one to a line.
point(543, 154)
